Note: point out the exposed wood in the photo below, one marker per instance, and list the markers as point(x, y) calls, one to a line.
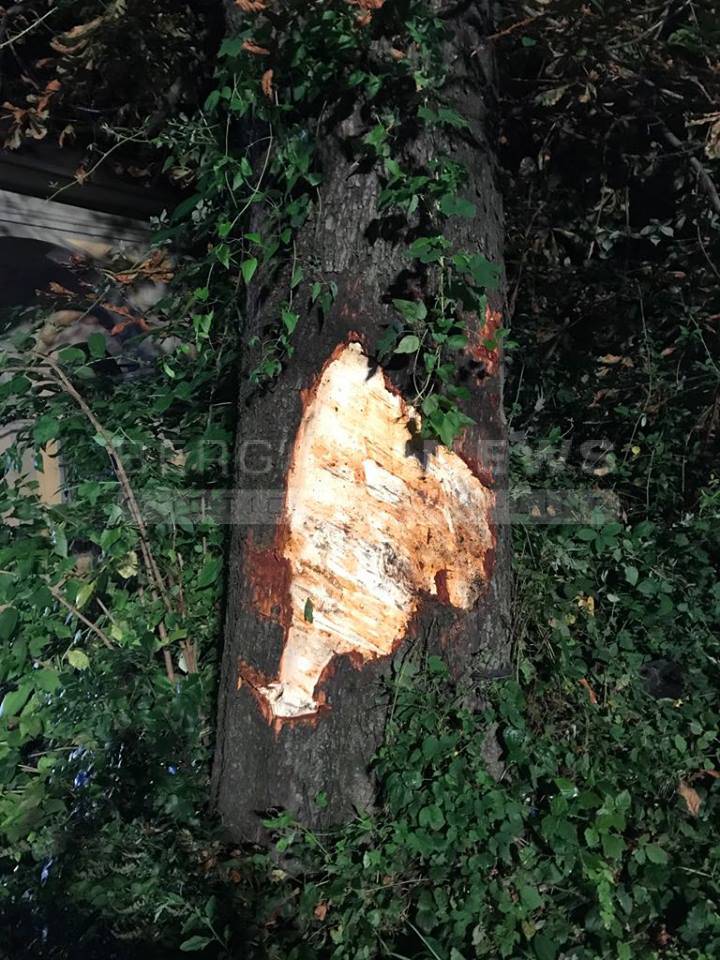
point(368, 529)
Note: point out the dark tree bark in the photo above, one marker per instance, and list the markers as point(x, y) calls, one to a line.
point(364, 551)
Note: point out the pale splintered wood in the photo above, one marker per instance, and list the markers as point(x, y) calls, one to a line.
point(371, 525)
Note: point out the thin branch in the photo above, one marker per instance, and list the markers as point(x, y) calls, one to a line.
point(9, 42)
point(87, 174)
point(702, 173)
point(81, 617)
point(517, 26)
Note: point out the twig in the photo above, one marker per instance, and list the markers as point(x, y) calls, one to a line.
point(81, 617)
point(35, 23)
point(516, 26)
point(702, 173)
point(86, 176)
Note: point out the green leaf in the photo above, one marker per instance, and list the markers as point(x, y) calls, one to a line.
point(411, 309)
point(631, 575)
point(195, 943)
point(46, 679)
point(71, 355)
point(97, 345)
point(530, 897)
point(248, 268)
point(78, 659)
point(84, 594)
point(308, 610)
point(14, 701)
point(586, 534)
point(59, 540)
point(454, 206)
point(655, 853)
point(612, 846)
point(209, 572)
point(290, 320)
point(408, 344)
point(222, 253)
point(46, 428)
point(431, 816)
point(8, 622)
point(544, 947)
point(297, 277)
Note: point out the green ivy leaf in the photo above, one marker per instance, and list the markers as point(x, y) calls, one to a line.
point(411, 309)
point(431, 816)
point(248, 268)
point(408, 344)
point(222, 253)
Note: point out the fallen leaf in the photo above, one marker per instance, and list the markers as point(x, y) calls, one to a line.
point(250, 6)
point(253, 48)
point(397, 54)
point(691, 798)
point(321, 910)
point(83, 28)
point(590, 692)
point(587, 603)
point(60, 290)
point(712, 147)
point(267, 84)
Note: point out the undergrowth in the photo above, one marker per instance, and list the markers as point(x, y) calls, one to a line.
point(591, 835)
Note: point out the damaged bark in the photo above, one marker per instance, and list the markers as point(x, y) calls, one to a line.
point(364, 540)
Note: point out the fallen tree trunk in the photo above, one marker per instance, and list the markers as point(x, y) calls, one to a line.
point(356, 532)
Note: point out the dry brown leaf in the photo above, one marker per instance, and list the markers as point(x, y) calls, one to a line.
point(712, 145)
point(592, 696)
point(691, 798)
point(65, 50)
point(397, 54)
point(364, 19)
point(124, 325)
point(250, 6)
point(267, 84)
point(60, 290)
point(253, 48)
point(321, 910)
point(83, 28)
point(610, 358)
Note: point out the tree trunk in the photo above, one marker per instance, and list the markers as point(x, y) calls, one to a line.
point(352, 539)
